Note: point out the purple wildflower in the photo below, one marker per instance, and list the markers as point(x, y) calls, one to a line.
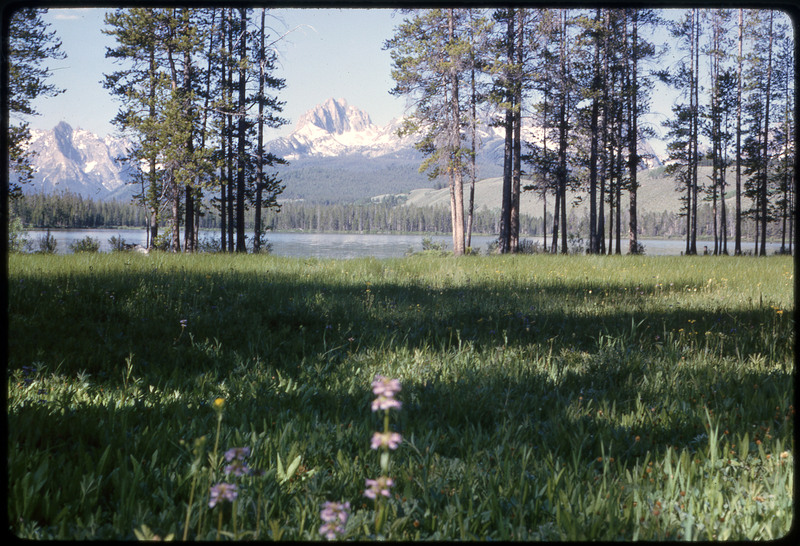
point(238, 453)
point(378, 487)
point(331, 530)
point(335, 515)
point(385, 402)
point(385, 439)
point(222, 491)
point(237, 469)
point(335, 511)
point(385, 386)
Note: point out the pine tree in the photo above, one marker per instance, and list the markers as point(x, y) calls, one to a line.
point(429, 55)
point(30, 45)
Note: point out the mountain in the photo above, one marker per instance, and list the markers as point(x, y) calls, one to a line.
point(335, 129)
point(336, 153)
point(78, 161)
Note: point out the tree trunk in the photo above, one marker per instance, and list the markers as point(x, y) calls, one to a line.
point(517, 147)
point(594, 138)
point(260, 144)
point(240, 150)
point(633, 157)
point(695, 127)
point(765, 176)
point(508, 152)
point(738, 220)
point(455, 143)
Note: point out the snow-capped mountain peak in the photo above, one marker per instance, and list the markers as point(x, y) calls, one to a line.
point(336, 117)
point(335, 128)
point(76, 160)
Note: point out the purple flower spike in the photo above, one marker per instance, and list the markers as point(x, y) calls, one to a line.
point(384, 403)
point(385, 386)
point(238, 453)
point(385, 439)
point(331, 530)
point(378, 487)
point(222, 491)
point(237, 469)
point(335, 511)
point(335, 515)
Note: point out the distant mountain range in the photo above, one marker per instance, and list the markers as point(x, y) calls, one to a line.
point(335, 153)
point(75, 160)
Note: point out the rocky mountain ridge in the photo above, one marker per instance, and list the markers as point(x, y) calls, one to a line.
point(78, 161)
point(335, 152)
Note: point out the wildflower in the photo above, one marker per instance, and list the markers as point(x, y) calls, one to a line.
point(334, 515)
point(385, 403)
point(237, 468)
point(222, 491)
point(378, 487)
point(385, 439)
point(238, 453)
point(385, 386)
point(183, 323)
point(218, 403)
point(333, 511)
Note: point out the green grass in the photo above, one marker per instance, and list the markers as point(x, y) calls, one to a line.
point(544, 397)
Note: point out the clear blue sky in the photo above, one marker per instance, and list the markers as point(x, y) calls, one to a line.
point(327, 53)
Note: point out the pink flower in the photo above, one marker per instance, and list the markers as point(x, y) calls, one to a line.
point(335, 515)
point(386, 439)
point(385, 403)
point(378, 487)
point(239, 453)
point(385, 386)
point(333, 511)
point(331, 530)
point(222, 491)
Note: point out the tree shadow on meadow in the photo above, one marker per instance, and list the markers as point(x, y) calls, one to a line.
point(287, 324)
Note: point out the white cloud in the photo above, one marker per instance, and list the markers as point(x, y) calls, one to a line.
point(68, 14)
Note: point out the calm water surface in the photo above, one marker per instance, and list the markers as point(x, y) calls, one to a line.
point(346, 245)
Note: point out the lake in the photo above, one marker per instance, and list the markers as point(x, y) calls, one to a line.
point(349, 245)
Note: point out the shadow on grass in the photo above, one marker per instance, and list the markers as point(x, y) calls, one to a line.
point(282, 324)
point(185, 321)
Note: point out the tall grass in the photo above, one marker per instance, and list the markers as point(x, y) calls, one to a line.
point(544, 397)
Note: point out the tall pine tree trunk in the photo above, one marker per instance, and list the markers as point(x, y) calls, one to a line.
point(188, 236)
point(241, 141)
point(695, 51)
point(154, 196)
point(738, 220)
point(765, 177)
point(562, 133)
point(633, 157)
point(455, 143)
point(594, 138)
point(517, 147)
point(260, 143)
point(508, 151)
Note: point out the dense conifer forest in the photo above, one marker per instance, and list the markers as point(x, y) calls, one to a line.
point(71, 211)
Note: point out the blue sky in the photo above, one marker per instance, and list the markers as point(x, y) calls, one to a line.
point(327, 53)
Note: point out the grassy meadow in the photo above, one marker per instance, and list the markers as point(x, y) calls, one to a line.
point(543, 397)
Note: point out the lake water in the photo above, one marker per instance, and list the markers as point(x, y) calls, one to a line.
point(348, 245)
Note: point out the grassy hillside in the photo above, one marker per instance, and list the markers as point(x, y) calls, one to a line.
point(656, 194)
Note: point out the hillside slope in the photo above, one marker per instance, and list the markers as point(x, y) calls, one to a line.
point(656, 194)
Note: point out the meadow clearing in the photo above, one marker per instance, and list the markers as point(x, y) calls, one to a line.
point(543, 397)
